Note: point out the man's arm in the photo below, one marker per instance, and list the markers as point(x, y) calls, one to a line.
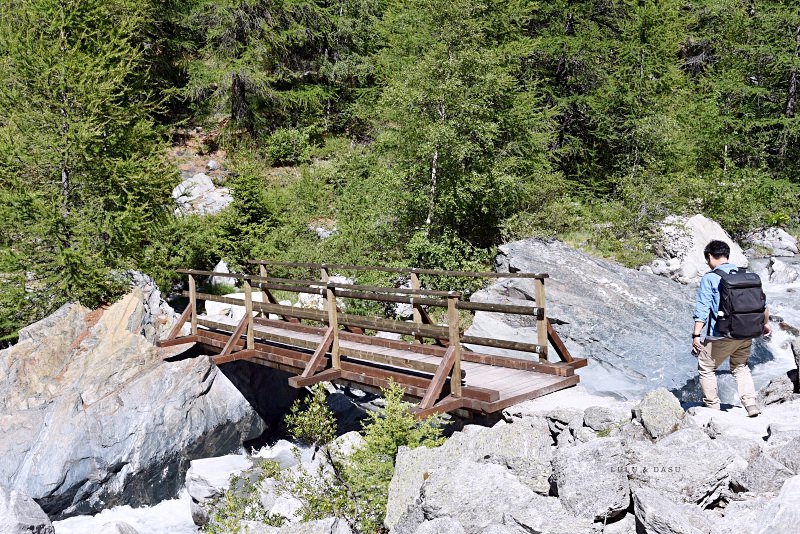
point(702, 310)
point(767, 326)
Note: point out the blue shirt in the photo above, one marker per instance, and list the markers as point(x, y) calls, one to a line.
point(708, 298)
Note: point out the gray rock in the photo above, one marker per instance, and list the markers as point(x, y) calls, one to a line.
point(764, 474)
point(660, 413)
point(626, 525)
point(739, 516)
point(782, 515)
point(442, 525)
point(778, 390)
point(198, 195)
point(497, 529)
point(683, 239)
point(674, 467)
point(19, 514)
point(776, 240)
point(780, 272)
point(606, 418)
point(796, 353)
point(212, 165)
point(523, 448)
point(642, 348)
point(454, 493)
point(222, 267)
point(207, 479)
point(788, 454)
point(658, 515)
point(93, 417)
point(592, 479)
point(546, 515)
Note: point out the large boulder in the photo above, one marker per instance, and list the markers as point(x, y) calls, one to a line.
point(682, 242)
point(592, 479)
point(92, 417)
point(782, 515)
point(632, 326)
point(660, 413)
point(657, 515)
point(522, 448)
point(686, 466)
point(198, 195)
point(781, 273)
point(19, 514)
point(775, 241)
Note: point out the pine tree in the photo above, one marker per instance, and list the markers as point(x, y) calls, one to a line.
point(83, 176)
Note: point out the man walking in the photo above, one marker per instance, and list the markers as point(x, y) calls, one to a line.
point(714, 349)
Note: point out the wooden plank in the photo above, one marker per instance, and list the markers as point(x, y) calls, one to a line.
point(501, 308)
point(541, 326)
point(319, 354)
point(447, 404)
point(177, 341)
point(248, 312)
point(181, 321)
point(439, 378)
point(245, 354)
point(479, 393)
point(325, 376)
point(503, 344)
point(455, 343)
point(193, 304)
point(558, 344)
point(235, 337)
point(466, 274)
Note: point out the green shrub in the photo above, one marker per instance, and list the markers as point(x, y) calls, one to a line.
point(242, 502)
point(356, 488)
point(286, 146)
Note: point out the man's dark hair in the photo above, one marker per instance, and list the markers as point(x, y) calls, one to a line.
point(718, 249)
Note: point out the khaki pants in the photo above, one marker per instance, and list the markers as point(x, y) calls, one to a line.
point(712, 356)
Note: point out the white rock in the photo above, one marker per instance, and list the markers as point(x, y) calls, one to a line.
point(192, 188)
point(782, 516)
point(222, 267)
point(776, 240)
point(684, 240)
point(209, 477)
point(212, 165)
point(287, 454)
point(19, 514)
point(780, 272)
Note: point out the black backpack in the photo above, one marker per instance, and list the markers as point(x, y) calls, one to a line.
point(741, 305)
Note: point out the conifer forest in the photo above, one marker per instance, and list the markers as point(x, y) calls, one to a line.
point(420, 132)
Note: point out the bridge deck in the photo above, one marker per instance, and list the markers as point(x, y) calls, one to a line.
point(489, 384)
point(447, 376)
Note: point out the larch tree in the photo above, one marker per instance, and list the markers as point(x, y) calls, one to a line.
point(84, 181)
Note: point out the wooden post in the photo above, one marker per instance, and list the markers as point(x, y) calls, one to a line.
point(415, 307)
point(541, 324)
point(333, 321)
point(455, 343)
point(193, 303)
point(262, 272)
point(248, 310)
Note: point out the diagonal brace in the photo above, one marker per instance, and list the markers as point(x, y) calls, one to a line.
point(235, 337)
point(319, 354)
point(439, 378)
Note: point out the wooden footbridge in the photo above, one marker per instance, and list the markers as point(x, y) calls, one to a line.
point(434, 365)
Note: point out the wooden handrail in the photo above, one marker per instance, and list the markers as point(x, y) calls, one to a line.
point(415, 296)
point(406, 270)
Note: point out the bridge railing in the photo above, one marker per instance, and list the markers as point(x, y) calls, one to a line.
point(421, 328)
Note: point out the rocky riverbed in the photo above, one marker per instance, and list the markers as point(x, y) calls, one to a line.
point(94, 420)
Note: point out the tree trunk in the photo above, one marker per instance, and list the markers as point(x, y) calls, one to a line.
point(240, 114)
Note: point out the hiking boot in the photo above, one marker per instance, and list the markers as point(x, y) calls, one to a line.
point(752, 410)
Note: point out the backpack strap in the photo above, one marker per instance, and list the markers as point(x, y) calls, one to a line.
point(722, 274)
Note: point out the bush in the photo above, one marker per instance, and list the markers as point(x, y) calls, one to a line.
point(242, 502)
point(287, 146)
point(356, 488)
